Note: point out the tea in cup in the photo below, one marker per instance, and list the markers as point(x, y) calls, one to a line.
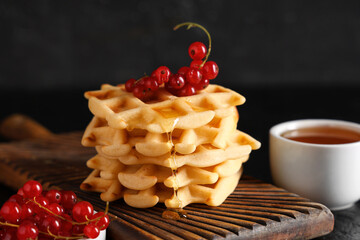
point(318, 159)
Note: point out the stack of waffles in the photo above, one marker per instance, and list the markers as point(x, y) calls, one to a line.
point(174, 150)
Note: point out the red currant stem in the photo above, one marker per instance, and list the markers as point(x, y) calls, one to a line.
point(62, 218)
point(190, 25)
point(107, 207)
point(49, 233)
point(45, 233)
point(9, 224)
point(46, 209)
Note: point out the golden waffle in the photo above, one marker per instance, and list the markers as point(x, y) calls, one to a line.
point(110, 188)
point(174, 150)
point(124, 111)
point(133, 181)
point(119, 142)
point(210, 194)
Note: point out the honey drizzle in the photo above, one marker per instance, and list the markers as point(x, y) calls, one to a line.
point(173, 164)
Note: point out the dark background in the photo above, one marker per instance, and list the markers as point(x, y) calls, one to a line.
point(290, 59)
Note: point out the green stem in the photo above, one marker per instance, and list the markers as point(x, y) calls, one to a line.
point(190, 25)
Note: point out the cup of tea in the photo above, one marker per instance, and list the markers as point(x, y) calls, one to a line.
point(318, 159)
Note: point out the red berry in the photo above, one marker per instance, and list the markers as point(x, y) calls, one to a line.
point(56, 208)
point(139, 92)
point(161, 74)
point(26, 211)
point(43, 201)
point(32, 189)
point(51, 223)
point(54, 196)
point(103, 222)
point(2, 232)
point(210, 70)
point(176, 81)
point(91, 231)
point(193, 76)
point(11, 212)
point(170, 89)
point(82, 211)
point(21, 192)
point(39, 217)
point(17, 198)
point(129, 85)
point(196, 64)
point(66, 226)
point(183, 70)
point(197, 50)
point(68, 199)
point(10, 234)
point(27, 231)
point(78, 229)
point(187, 90)
point(202, 84)
point(151, 84)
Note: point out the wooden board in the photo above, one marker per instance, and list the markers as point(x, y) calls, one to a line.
point(256, 210)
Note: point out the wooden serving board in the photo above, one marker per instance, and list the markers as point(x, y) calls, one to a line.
point(256, 210)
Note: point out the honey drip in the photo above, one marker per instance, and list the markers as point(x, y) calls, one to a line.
point(174, 213)
point(173, 164)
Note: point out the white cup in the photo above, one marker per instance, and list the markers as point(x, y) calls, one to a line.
point(325, 173)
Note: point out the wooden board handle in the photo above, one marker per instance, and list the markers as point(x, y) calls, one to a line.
point(19, 127)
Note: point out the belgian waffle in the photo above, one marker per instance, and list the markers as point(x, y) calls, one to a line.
point(174, 150)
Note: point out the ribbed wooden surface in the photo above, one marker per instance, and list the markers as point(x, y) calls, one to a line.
point(256, 210)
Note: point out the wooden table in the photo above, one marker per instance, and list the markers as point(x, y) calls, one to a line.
point(264, 107)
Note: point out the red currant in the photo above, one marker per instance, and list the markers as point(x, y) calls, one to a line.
point(129, 85)
point(195, 64)
point(202, 84)
point(170, 89)
point(193, 76)
point(43, 201)
point(82, 211)
point(32, 189)
point(91, 231)
point(161, 74)
point(197, 50)
point(210, 70)
point(54, 196)
point(11, 212)
point(68, 199)
point(51, 223)
point(151, 84)
point(139, 92)
point(10, 234)
point(27, 231)
point(56, 208)
point(187, 90)
point(103, 222)
point(183, 70)
point(78, 229)
point(39, 217)
point(26, 211)
point(21, 192)
point(176, 81)
point(66, 226)
point(17, 198)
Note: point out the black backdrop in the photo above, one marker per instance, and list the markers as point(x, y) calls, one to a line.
point(290, 59)
point(83, 43)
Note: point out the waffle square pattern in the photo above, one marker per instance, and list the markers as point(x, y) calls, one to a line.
point(173, 150)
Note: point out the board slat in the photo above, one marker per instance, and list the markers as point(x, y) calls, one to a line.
point(256, 210)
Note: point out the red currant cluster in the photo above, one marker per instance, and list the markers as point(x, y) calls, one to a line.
point(186, 82)
point(36, 214)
